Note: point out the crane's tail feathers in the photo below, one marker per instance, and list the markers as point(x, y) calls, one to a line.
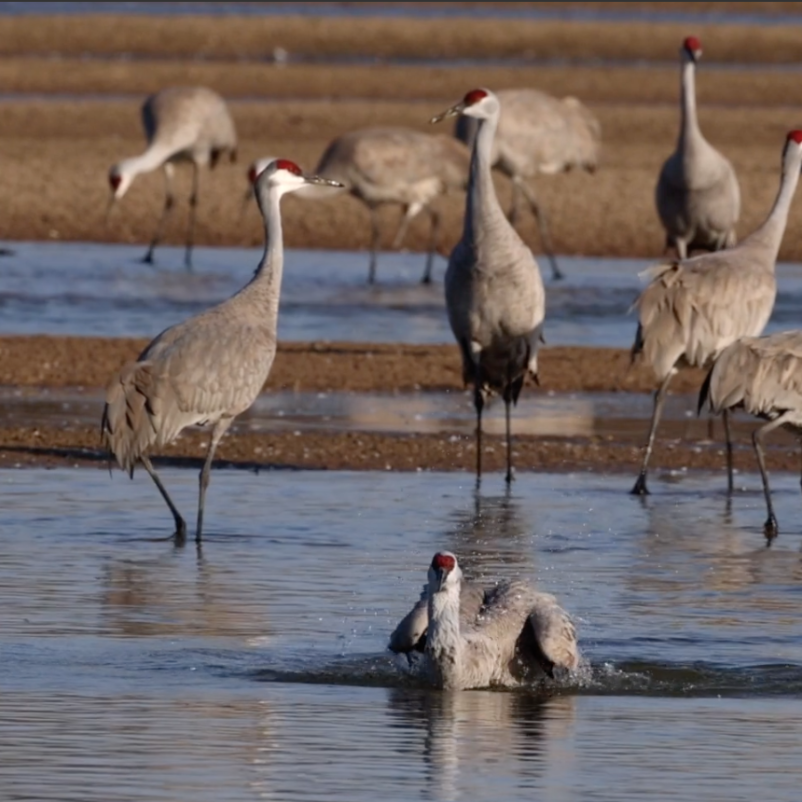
point(128, 425)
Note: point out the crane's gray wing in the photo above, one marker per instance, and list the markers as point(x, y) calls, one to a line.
point(410, 634)
point(529, 627)
point(697, 307)
point(762, 373)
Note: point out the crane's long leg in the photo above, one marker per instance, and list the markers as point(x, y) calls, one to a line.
point(770, 529)
point(180, 524)
point(193, 208)
point(218, 431)
point(169, 202)
point(375, 238)
point(411, 211)
point(725, 418)
point(478, 402)
point(543, 227)
point(507, 403)
point(434, 236)
point(640, 488)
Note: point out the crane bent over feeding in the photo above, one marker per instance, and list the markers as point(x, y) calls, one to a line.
point(182, 124)
point(210, 368)
point(694, 308)
point(494, 292)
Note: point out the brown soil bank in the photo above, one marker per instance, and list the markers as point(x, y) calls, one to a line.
point(45, 361)
point(231, 37)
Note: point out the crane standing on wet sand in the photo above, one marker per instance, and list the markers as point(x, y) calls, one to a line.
point(211, 367)
point(694, 308)
point(494, 292)
point(182, 124)
point(697, 195)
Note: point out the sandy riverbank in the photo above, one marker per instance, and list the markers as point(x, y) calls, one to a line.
point(57, 149)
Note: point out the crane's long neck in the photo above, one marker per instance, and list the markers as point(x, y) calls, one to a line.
point(689, 131)
point(482, 204)
point(266, 282)
point(153, 157)
point(769, 235)
point(444, 643)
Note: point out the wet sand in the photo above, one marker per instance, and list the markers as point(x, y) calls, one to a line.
point(58, 148)
point(72, 362)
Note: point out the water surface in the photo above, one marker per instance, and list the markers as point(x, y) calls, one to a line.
point(256, 668)
point(103, 290)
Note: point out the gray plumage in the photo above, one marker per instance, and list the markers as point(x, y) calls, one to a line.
point(697, 195)
point(517, 636)
point(763, 376)
point(538, 134)
point(208, 369)
point(401, 166)
point(182, 124)
point(410, 634)
point(694, 308)
point(493, 289)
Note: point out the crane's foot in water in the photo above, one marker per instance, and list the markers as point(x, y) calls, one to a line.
point(770, 529)
point(147, 259)
point(639, 488)
point(180, 534)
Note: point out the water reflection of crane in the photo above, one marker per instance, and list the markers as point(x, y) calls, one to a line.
point(483, 732)
point(145, 598)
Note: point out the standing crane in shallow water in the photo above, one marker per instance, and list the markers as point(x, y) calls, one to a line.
point(182, 124)
point(494, 293)
point(763, 376)
point(210, 368)
point(697, 194)
point(694, 308)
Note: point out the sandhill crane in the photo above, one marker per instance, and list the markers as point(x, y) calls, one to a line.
point(182, 124)
point(393, 166)
point(494, 292)
point(211, 367)
point(694, 308)
point(763, 376)
point(517, 635)
point(539, 134)
point(697, 194)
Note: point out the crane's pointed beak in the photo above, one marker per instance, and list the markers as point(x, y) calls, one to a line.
point(326, 182)
point(440, 577)
point(456, 109)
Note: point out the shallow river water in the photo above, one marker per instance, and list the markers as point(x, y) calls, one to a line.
point(255, 668)
point(103, 290)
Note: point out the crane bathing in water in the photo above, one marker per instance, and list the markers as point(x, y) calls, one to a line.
point(515, 636)
point(402, 166)
point(494, 292)
point(182, 124)
point(697, 194)
point(538, 135)
point(694, 308)
point(210, 368)
point(763, 376)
